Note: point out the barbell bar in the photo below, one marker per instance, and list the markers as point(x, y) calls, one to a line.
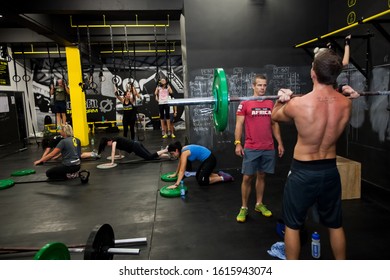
point(221, 99)
point(99, 246)
point(77, 248)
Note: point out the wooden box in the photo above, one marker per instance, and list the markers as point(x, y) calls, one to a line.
point(350, 173)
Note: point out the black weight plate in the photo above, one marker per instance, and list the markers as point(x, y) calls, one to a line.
point(99, 241)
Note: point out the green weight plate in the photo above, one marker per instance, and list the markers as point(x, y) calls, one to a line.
point(221, 96)
point(23, 172)
point(164, 191)
point(99, 241)
point(6, 183)
point(53, 251)
point(165, 177)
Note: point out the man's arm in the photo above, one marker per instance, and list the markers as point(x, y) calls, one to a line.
point(278, 137)
point(278, 113)
point(240, 120)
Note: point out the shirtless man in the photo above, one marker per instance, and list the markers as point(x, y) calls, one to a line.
point(320, 118)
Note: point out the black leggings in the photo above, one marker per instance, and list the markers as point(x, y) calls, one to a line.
point(205, 169)
point(129, 121)
point(141, 151)
point(59, 172)
point(164, 111)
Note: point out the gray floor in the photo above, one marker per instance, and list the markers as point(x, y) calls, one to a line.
point(127, 197)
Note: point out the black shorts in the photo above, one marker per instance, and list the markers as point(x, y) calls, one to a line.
point(164, 111)
point(308, 183)
point(205, 169)
point(60, 107)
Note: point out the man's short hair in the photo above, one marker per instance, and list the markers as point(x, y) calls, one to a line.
point(327, 65)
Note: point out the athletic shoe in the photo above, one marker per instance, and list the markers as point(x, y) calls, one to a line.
point(165, 136)
point(72, 175)
point(241, 217)
point(263, 209)
point(95, 155)
point(173, 135)
point(226, 176)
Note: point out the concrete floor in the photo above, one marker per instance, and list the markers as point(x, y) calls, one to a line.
point(127, 197)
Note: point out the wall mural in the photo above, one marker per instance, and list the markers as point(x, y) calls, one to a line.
point(99, 90)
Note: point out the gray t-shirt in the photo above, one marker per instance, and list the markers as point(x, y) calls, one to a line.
point(70, 150)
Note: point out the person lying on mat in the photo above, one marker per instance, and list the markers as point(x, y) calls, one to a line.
point(204, 174)
point(70, 149)
point(130, 146)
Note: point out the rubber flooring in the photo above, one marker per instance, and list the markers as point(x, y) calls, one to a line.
point(201, 227)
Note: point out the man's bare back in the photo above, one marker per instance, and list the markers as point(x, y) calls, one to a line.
point(319, 124)
point(320, 117)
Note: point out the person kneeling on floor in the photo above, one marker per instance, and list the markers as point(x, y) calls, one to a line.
point(204, 174)
point(70, 149)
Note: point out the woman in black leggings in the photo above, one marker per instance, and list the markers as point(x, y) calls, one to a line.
point(129, 110)
point(129, 146)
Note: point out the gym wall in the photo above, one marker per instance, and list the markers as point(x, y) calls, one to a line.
point(246, 38)
point(258, 36)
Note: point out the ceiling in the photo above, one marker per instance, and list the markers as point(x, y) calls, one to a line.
point(101, 29)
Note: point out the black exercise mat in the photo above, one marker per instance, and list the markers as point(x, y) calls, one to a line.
point(123, 161)
point(33, 178)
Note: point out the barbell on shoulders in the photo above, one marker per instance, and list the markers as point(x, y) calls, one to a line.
point(221, 99)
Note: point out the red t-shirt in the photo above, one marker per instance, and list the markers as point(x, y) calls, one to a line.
point(258, 130)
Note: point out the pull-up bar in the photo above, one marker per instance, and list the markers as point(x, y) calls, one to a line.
point(344, 28)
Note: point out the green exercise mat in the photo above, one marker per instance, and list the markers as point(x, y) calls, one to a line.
point(6, 183)
point(23, 172)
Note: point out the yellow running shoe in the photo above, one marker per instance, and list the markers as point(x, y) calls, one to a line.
point(241, 217)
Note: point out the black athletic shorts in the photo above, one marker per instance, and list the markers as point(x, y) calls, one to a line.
point(313, 182)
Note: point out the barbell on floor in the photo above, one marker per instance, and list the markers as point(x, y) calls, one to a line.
point(100, 246)
point(221, 99)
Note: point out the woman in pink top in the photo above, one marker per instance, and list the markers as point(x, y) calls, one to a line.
point(162, 92)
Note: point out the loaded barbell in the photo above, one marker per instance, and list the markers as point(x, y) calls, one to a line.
point(101, 245)
point(221, 99)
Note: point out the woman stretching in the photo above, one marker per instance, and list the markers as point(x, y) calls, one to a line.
point(129, 146)
point(204, 174)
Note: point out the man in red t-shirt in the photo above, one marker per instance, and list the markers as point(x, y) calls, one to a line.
point(258, 151)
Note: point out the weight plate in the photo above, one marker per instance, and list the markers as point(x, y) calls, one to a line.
point(99, 241)
point(165, 192)
point(221, 96)
point(116, 157)
point(165, 177)
point(106, 165)
point(23, 172)
point(53, 251)
point(6, 183)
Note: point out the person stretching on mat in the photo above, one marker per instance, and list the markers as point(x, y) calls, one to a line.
point(70, 149)
point(204, 174)
point(129, 146)
point(49, 143)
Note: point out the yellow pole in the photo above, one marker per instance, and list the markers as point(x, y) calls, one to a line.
point(77, 97)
